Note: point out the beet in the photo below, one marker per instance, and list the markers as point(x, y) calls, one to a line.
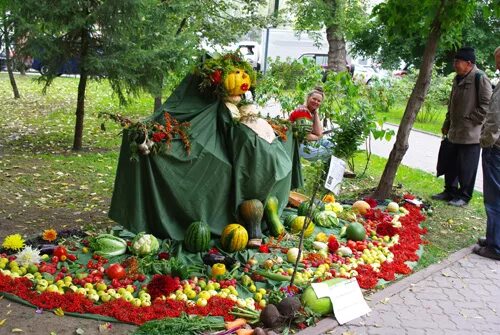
point(271, 317)
point(259, 331)
point(288, 307)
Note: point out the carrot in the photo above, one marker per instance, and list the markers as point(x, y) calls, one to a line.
point(244, 331)
point(237, 323)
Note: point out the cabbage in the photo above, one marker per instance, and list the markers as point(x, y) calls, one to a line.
point(321, 306)
point(326, 219)
point(108, 245)
point(144, 244)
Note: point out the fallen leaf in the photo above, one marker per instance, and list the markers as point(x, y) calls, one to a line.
point(17, 330)
point(58, 311)
point(385, 301)
point(79, 331)
point(2, 322)
point(105, 327)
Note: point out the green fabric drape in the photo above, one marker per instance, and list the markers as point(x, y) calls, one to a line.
point(228, 163)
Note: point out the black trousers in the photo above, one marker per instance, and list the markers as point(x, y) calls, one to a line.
point(460, 174)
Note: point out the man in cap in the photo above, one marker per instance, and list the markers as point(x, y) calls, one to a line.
point(468, 105)
point(490, 142)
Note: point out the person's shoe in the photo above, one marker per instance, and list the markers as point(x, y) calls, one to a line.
point(457, 202)
point(486, 252)
point(444, 196)
point(481, 241)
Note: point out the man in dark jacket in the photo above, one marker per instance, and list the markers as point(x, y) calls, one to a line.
point(490, 142)
point(468, 105)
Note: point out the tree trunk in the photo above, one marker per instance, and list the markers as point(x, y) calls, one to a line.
point(336, 49)
point(8, 59)
point(158, 100)
point(82, 85)
point(416, 100)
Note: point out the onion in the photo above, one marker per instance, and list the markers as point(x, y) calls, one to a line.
point(292, 255)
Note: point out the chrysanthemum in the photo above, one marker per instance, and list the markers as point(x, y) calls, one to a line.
point(28, 256)
point(49, 235)
point(13, 242)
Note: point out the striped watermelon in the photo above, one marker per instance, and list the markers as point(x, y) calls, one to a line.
point(197, 237)
point(234, 238)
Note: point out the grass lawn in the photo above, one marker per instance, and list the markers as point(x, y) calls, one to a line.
point(427, 121)
point(45, 184)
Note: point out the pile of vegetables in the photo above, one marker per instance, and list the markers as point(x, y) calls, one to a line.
point(267, 284)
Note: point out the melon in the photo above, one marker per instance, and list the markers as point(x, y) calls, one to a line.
point(361, 207)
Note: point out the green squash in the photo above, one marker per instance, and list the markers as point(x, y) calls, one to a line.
point(250, 214)
point(274, 224)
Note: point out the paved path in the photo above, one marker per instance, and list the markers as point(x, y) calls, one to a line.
point(460, 295)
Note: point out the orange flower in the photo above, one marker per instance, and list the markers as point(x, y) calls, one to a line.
point(329, 198)
point(49, 235)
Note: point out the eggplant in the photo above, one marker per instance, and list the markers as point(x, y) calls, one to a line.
point(211, 259)
point(47, 248)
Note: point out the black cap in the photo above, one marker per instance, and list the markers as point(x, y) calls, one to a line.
point(466, 54)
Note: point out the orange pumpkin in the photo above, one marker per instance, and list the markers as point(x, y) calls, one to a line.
point(237, 82)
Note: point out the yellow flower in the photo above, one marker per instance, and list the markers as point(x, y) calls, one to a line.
point(49, 235)
point(14, 242)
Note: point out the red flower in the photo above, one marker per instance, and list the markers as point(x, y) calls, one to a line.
point(158, 136)
point(300, 113)
point(162, 285)
point(213, 251)
point(264, 249)
point(216, 77)
point(372, 202)
point(408, 196)
point(244, 87)
point(333, 244)
point(163, 255)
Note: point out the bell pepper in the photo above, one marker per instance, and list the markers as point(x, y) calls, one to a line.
point(218, 269)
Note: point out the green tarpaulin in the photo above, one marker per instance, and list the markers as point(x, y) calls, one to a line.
point(228, 163)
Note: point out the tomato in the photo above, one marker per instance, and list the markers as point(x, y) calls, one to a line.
point(116, 271)
point(55, 259)
point(60, 251)
point(351, 245)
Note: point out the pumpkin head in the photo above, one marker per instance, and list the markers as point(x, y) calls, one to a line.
point(237, 82)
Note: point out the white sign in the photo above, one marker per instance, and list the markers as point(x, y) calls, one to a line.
point(347, 299)
point(335, 175)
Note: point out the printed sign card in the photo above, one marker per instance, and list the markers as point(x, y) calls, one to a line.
point(335, 175)
point(347, 299)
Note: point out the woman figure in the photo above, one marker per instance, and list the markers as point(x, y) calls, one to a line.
point(306, 117)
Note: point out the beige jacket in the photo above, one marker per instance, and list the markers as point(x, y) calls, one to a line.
point(467, 109)
point(490, 135)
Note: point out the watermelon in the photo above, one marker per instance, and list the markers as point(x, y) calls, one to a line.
point(197, 237)
point(355, 231)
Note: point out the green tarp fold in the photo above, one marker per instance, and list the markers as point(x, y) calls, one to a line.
point(162, 194)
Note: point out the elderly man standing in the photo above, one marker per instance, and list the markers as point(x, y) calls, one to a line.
point(469, 99)
point(490, 142)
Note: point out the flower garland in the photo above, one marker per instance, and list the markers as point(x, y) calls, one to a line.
point(152, 137)
point(119, 309)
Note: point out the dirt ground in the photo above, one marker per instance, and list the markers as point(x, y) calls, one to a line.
point(13, 219)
